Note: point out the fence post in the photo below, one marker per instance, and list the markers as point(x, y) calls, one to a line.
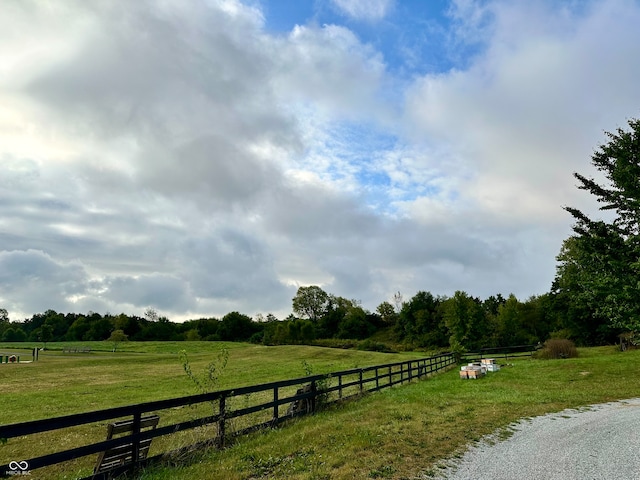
point(361, 385)
point(340, 386)
point(377, 380)
point(135, 443)
point(221, 422)
point(275, 404)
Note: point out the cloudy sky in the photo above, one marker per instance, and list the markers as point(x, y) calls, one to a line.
point(205, 156)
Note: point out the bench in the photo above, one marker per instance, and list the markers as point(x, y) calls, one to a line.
point(122, 455)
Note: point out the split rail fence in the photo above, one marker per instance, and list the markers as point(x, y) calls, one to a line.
point(209, 419)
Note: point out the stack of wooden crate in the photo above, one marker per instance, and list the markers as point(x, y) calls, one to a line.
point(490, 364)
point(477, 370)
point(473, 370)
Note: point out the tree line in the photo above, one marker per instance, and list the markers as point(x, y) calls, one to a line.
point(594, 297)
point(422, 321)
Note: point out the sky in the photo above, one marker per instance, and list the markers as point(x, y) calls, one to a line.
point(211, 156)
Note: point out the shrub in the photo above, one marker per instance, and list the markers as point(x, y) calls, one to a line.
point(558, 348)
point(257, 338)
point(372, 346)
point(334, 343)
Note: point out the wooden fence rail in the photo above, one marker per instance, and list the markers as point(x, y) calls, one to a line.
point(264, 405)
point(501, 352)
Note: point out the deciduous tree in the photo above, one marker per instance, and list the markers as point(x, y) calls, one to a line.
point(387, 312)
point(116, 338)
point(310, 302)
point(465, 320)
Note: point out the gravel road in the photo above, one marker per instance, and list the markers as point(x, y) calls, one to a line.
point(598, 442)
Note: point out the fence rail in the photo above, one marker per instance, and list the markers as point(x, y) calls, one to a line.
point(501, 352)
point(264, 405)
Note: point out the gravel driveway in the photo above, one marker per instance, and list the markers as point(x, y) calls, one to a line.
point(598, 442)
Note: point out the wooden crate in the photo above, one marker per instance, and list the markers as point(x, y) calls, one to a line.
point(474, 373)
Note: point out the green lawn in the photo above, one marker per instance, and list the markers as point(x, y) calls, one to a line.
point(397, 433)
point(60, 384)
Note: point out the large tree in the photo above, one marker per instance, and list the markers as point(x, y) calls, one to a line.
point(420, 321)
point(600, 263)
point(465, 319)
point(310, 302)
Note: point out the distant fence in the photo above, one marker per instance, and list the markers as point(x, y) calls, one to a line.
point(76, 349)
point(501, 352)
point(229, 413)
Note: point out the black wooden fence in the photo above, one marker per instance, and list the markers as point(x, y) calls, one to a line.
point(501, 352)
point(260, 406)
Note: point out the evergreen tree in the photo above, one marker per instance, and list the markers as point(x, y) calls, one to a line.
point(600, 263)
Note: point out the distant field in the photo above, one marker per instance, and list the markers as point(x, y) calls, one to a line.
point(63, 383)
point(398, 433)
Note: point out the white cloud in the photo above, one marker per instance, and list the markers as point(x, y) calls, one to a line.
point(176, 155)
point(329, 69)
point(530, 109)
point(369, 10)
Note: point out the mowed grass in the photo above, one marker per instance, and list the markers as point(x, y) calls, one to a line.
point(65, 383)
point(403, 432)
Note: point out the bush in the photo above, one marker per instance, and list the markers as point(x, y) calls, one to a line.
point(558, 348)
point(334, 343)
point(372, 346)
point(257, 338)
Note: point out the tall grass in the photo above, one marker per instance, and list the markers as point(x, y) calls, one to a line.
point(558, 348)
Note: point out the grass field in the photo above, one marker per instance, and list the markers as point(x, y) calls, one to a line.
point(60, 384)
point(398, 433)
